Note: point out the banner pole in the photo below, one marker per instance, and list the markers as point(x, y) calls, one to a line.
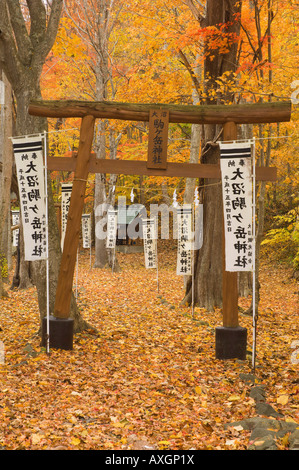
point(47, 243)
point(254, 261)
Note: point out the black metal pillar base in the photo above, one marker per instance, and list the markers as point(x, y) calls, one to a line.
point(231, 343)
point(60, 333)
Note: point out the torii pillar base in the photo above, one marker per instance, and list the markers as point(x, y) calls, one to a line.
point(231, 343)
point(60, 333)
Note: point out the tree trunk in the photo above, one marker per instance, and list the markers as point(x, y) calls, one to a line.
point(100, 213)
point(103, 256)
point(6, 158)
point(196, 136)
point(208, 260)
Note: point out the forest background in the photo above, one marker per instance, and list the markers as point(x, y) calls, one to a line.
point(156, 52)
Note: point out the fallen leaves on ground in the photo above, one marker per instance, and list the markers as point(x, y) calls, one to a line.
point(147, 377)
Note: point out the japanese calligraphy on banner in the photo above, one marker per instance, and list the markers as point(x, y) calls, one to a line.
point(28, 152)
point(86, 230)
point(185, 236)
point(15, 220)
point(111, 228)
point(157, 138)
point(236, 174)
point(149, 230)
point(66, 192)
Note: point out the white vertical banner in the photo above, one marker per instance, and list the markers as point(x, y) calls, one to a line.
point(15, 220)
point(28, 152)
point(86, 230)
point(66, 192)
point(236, 174)
point(149, 231)
point(185, 240)
point(111, 228)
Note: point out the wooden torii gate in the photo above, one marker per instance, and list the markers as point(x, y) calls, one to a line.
point(227, 115)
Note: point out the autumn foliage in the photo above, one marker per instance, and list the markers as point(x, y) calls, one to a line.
point(146, 374)
point(167, 65)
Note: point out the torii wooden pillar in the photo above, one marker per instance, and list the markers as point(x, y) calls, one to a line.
point(228, 116)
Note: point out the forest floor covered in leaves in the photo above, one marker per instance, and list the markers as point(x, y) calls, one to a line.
point(147, 377)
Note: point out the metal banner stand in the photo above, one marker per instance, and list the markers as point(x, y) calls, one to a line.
point(253, 254)
point(47, 242)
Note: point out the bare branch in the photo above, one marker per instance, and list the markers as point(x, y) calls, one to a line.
point(195, 11)
point(186, 63)
point(9, 59)
point(19, 31)
point(53, 23)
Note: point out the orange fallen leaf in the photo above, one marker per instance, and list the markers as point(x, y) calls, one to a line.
point(283, 399)
point(75, 441)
